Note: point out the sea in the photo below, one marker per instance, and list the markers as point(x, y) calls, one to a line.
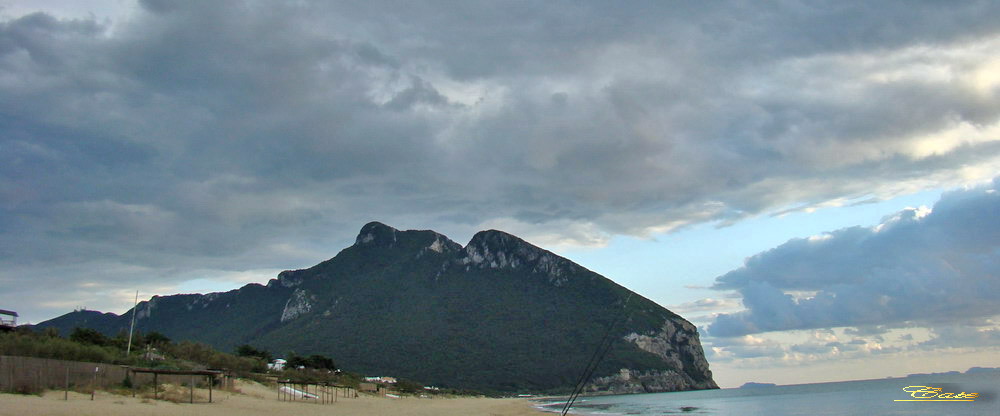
point(861, 397)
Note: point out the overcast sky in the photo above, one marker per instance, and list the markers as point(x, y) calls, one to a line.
point(172, 146)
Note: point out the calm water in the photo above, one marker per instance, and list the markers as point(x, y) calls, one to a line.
point(865, 397)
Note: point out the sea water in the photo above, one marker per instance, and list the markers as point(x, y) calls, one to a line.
point(863, 397)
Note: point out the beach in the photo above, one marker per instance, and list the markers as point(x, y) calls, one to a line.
point(250, 398)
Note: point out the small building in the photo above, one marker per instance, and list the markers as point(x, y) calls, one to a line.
point(8, 319)
point(381, 379)
point(277, 365)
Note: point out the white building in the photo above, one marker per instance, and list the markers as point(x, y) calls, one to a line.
point(277, 365)
point(382, 379)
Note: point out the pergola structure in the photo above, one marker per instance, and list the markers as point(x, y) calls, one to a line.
point(210, 374)
point(8, 320)
point(322, 393)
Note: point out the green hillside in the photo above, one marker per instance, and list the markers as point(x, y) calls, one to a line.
point(497, 314)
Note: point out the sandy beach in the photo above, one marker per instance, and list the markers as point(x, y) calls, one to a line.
point(255, 399)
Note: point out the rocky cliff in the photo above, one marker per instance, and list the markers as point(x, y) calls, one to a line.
point(676, 343)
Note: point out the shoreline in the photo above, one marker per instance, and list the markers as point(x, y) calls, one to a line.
point(255, 399)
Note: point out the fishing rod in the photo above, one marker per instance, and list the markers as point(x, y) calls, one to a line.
point(602, 350)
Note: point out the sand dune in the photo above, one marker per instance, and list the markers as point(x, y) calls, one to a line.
point(254, 399)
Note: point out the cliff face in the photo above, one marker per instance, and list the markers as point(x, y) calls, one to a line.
point(497, 314)
point(676, 343)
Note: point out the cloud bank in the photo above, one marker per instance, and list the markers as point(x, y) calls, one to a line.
point(934, 267)
point(228, 136)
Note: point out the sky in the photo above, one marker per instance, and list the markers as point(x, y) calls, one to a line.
point(812, 183)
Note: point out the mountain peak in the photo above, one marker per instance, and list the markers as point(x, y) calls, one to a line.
point(376, 234)
point(498, 250)
point(497, 238)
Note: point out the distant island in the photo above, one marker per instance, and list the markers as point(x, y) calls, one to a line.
point(943, 373)
point(979, 370)
point(753, 385)
point(971, 370)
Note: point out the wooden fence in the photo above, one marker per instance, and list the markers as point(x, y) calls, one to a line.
point(32, 375)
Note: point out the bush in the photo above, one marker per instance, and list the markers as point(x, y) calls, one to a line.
point(90, 346)
point(409, 386)
point(43, 346)
point(248, 351)
point(208, 357)
point(314, 361)
point(156, 339)
point(88, 336)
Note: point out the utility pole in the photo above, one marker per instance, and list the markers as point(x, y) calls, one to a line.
point(132, 327)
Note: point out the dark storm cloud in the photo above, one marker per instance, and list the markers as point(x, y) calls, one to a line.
point(940, 268)
point(235, 135)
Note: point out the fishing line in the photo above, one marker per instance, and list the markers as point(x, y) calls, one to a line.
point(602, 350)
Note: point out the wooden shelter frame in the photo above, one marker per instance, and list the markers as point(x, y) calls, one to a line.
point(210, 374)
point(325, 392)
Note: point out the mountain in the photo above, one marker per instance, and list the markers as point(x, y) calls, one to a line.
point(755, 385)
point(498, 314)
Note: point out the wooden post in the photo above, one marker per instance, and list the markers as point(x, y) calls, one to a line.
point(211, 381)
point(93, 385)
point(134, 381)
point(192, 389)
point(66, 391)
point(156, 386)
